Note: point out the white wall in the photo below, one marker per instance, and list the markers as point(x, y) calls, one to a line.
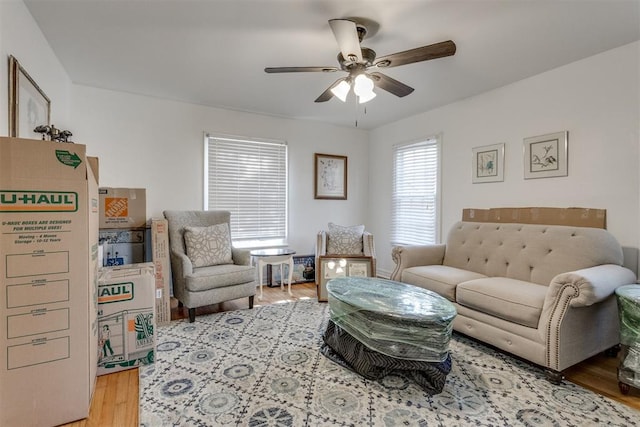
point(158, 145)
point(22, 38)
point(595, 99)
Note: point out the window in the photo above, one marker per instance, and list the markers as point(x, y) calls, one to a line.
point(416, 185)
point(249, 179)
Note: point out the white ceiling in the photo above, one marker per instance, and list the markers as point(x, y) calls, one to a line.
point(214, 52)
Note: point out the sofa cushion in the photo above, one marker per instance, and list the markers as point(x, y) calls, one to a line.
point(438, 278)
point(207, 246)
point(344, 240)
point(513, 300)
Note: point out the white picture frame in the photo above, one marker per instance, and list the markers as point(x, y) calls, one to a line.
point(546, 156)
point(488, 163)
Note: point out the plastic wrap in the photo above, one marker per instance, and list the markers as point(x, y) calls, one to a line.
point(392, 318)
point(629, 312)
point(350, 353)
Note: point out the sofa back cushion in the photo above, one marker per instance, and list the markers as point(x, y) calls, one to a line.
point(529, 252)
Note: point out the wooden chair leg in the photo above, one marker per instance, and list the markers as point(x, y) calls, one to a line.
point(251, 301)
point(192, 315)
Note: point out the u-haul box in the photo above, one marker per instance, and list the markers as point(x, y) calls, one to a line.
point(48, 287)
point(126, 317)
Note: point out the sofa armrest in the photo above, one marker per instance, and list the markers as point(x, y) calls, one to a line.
point(589, 285)
point(573, 292)
point(406, 256)
point(321, 250)
point(368, 247)
point(241, 256)
point(321, 243)
point(182, 264)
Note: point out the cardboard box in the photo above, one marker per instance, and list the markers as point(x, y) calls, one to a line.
point(126, 317)
point(122, 246)
point(579, 217)
point(48, 266)
point(160, 255)
point(123, 208)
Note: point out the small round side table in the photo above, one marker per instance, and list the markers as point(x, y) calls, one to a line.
point(628, 297)
point(276, 256)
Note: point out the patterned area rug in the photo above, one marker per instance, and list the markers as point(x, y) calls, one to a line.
point(262, 367)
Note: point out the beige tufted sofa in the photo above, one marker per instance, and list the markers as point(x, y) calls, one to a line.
point(542, 292)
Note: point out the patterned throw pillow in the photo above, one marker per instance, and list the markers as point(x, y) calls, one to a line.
point(344, 240)
point(208, 245)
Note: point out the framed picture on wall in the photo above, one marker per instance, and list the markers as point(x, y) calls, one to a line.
point(29, 107)
point(330, 179)
point(546, 156)
point(488, 163)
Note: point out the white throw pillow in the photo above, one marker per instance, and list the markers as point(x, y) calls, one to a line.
point(208, 245)
point(345, 240)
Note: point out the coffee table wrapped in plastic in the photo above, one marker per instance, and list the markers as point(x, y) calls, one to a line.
point(378, 327)
point(628, 297)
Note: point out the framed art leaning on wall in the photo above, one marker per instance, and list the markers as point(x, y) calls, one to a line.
point(332, 266)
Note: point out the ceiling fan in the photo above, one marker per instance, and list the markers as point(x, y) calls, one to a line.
point(357, 61)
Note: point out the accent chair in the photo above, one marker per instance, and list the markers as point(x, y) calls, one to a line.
point(341, 240)
point(206, 268)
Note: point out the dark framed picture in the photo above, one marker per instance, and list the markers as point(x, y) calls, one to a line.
point(332, 266)
point(330, 177)
point(29, 107)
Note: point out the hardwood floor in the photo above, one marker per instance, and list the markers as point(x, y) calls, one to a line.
point(115, 400)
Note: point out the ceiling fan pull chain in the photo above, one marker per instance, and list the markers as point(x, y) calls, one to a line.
point(355, 103)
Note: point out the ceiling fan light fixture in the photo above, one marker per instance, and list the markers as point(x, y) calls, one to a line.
point(341, 90)
point(362, 84)
point(363, 88)
point(366, 97)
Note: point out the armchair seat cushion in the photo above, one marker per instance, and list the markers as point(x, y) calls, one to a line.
point(439, 278)
point(509, 299)
point(219, 276)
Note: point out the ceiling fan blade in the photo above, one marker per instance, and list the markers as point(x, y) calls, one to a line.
point(299, 69)
point(391, 85)
point(424, 53)
point(327, 94)
point(346, 35)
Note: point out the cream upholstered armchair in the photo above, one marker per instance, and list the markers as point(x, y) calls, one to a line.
point(341, 240)
point(206, 268)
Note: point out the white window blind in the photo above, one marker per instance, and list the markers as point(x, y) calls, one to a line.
point(415, 204)
point(249, 179)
